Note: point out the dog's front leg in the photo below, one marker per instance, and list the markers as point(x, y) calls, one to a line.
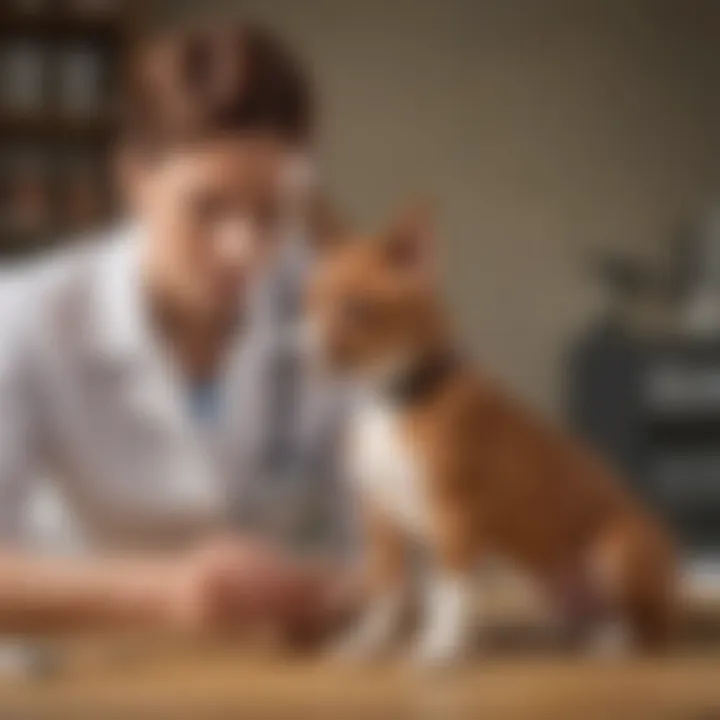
point(386, 588)
point(448, 631)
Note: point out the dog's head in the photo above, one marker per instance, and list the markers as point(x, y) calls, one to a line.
point(371, 303)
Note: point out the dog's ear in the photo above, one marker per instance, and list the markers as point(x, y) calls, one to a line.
point(328, 227)
point(410, 239)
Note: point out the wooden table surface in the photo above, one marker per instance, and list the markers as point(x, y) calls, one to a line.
point(205, 683)
point(144, 676)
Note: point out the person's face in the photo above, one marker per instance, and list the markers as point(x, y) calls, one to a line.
point(214, 215)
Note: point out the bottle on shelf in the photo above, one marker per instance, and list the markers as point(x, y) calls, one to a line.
point(28, 7)
point(93, 8)
point(27, 206)
point(80, 82)
point(82, 192)
point(22, 77)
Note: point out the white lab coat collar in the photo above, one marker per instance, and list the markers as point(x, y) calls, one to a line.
point(153, 389)
point(121, 328)
point(126, 346)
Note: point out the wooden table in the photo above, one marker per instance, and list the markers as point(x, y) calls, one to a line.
point(205, 683)
point(521, 677)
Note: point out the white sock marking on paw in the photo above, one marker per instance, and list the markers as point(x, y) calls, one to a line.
point(375, 629)
point(611, 640)
point(449, 621)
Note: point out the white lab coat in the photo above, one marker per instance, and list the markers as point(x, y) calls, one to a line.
point(97, 444)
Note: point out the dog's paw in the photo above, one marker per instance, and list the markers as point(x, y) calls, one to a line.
point(448, 634)
point(356, 648)
point(610, 640)
point(433, 655)
point(438, 652)
point(374, 633)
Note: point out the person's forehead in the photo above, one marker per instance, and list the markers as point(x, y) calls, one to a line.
point(240, 159)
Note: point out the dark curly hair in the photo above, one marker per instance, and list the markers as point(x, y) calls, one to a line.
point(206, 80)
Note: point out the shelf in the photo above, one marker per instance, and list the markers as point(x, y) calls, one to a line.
point(55, 127)
point(45, 130)
point(64, 27)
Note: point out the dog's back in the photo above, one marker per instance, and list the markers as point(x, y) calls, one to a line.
point(541, 498)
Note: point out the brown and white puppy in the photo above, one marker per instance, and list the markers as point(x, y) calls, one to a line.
point(440, 454)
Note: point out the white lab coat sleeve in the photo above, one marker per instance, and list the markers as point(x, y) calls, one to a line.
point(340, 497)
point(19, 426)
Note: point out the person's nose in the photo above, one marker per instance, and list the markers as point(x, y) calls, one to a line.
point(234, 244)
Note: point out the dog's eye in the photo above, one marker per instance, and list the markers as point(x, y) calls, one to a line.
point(356, 310)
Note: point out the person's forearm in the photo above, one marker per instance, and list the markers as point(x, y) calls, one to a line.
point(59, 595)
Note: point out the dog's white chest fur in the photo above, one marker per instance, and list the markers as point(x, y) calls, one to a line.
point(386, 469)
point(393, 475)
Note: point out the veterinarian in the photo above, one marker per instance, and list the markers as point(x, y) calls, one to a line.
point(158, 432)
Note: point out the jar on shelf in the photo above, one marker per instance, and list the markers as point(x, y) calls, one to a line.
point(28, 193)
point(80, 82)
point(28, 7)
point(5, 178)
point(93, 8)
point(22, 77)
point(82, 192)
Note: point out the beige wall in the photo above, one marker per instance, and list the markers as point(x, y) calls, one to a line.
point(544, 127)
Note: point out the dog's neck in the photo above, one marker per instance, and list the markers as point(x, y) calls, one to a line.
point(421, 378)
point(413, 378)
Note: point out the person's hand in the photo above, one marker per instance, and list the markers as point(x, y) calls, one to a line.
point(223, 586)
point(230, 584)
point(337, 600)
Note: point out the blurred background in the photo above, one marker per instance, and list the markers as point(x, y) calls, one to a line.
point(573, 148)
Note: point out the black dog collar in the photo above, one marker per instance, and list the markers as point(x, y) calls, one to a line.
point(421, 379)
